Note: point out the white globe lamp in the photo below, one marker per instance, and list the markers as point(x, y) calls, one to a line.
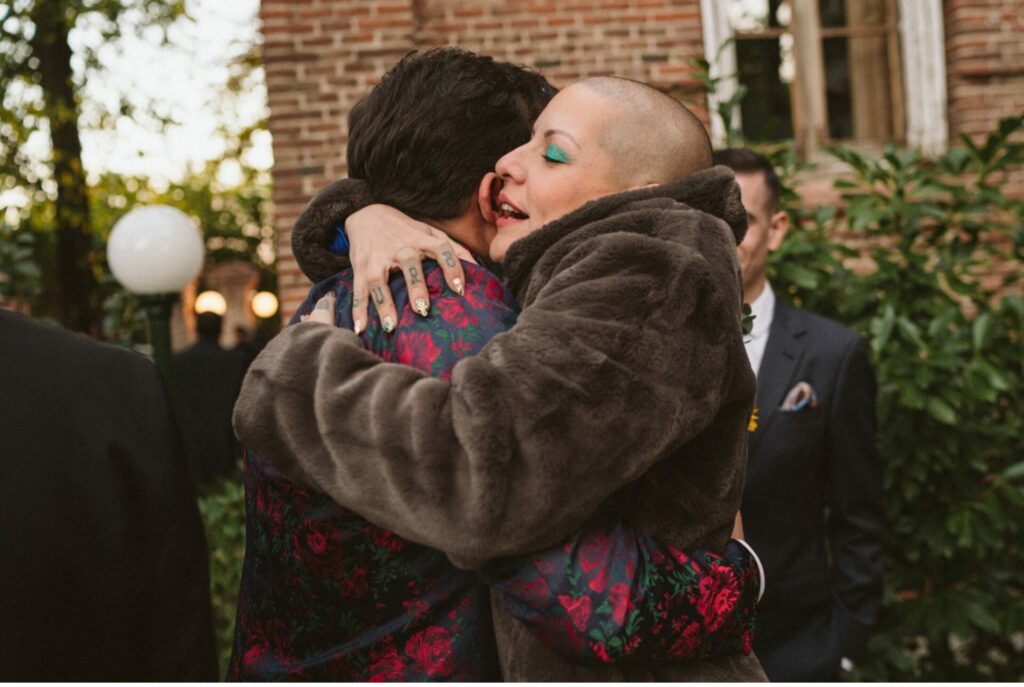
point(155, 251)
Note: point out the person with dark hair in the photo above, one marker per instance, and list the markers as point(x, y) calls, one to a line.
point(538, 434)
point(207, 378)
point(103, 564)
point(813, 497)
point(346, 599)
point(497, 103)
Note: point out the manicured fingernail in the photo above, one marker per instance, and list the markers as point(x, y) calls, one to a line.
point(457, 283)
point(358, 327)
point(421, 307)
point(388, 324)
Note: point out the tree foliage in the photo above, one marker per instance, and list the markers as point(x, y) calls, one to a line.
point(939, 303)
point(20, 276)
point(40, 95)
point(53, 233)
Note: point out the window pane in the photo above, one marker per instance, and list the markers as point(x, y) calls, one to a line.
point(832, 12)
point(839, 13)
point(766, 111)
point(858, 91)
point(837, 88)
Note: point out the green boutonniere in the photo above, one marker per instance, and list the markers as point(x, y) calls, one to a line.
point(746, 320)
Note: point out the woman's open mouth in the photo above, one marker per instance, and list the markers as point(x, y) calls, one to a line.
point(507, 212)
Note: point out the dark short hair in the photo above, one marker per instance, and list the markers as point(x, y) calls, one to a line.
point(748, 161)
point(436, 123)
point(208, 325)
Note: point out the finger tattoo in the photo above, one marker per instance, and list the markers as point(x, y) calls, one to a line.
point(414, 276)
point(449, 258)
point(378, 295)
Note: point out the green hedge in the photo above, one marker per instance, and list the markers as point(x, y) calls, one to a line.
point(223, 511)
point(945, 335)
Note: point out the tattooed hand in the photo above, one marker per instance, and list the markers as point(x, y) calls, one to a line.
point(382, 240)
point(323, 311)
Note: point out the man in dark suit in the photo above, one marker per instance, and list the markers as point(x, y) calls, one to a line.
point(812, 507)
point(103, 562)
point(206, 383)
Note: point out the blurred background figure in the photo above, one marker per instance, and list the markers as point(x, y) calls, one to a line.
point(207, 378)
point(247, 346)
point(812, 506)
point(103, 563)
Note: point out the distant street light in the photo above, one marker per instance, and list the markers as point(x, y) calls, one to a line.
point(264, 304)
point(211, 301)
point(155, 251)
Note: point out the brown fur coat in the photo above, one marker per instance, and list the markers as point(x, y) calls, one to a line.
point(624, 381)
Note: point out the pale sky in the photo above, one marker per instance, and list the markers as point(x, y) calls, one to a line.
point(185, 81)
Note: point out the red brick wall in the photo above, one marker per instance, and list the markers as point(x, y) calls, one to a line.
point(648, 40)
point(985, 68)
point(321, 55)
point(984, 62)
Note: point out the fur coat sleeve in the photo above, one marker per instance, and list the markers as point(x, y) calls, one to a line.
point(625, 350)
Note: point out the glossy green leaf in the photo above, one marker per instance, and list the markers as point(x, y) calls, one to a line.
point(940, 410)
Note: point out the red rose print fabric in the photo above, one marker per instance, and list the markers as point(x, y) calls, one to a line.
point(611, 594)
point(327, 595)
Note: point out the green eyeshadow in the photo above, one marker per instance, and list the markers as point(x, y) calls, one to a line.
point(555, 154)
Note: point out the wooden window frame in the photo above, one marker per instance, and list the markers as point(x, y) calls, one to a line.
point(916, 61)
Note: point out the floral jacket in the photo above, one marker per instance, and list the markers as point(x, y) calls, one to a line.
point(327, 595)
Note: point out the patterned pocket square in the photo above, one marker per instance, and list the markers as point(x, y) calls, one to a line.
point(799, 397)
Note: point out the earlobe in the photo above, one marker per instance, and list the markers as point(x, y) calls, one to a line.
point(777, 230)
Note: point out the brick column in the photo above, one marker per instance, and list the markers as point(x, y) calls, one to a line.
point(985, 66)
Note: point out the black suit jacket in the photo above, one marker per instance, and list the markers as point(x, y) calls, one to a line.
point(812, 507)
point(103, 562)
point(207, 379)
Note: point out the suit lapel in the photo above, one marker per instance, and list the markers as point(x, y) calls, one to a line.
point(782, 354)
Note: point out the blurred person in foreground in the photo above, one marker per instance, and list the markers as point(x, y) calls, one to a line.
point(812, 504)
point(345, 599)
point(623, 386)
point(103, 562)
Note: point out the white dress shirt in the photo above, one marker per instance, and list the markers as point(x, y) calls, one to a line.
point(763, 309)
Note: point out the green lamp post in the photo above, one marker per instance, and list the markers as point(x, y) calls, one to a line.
point(155, 251)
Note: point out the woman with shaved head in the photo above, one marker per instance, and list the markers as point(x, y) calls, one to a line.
point(623, 386)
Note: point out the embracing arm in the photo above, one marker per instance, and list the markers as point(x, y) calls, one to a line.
point(606, 372)
point(381, 240)
point(610, 594)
